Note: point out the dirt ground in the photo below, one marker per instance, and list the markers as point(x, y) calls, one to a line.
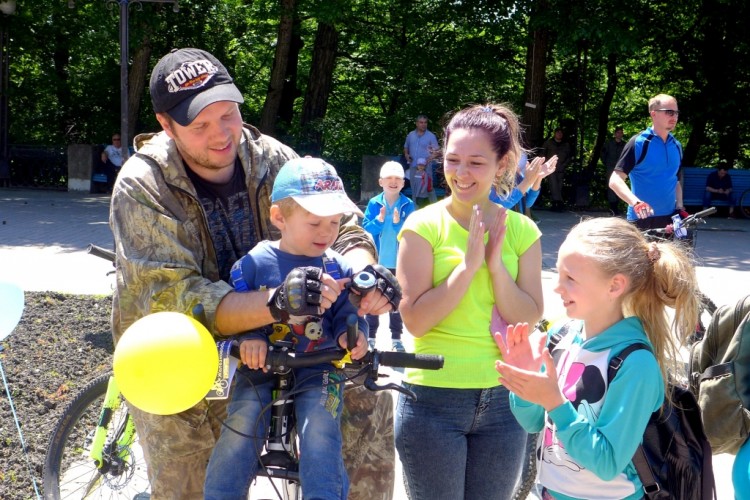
point(62, 342)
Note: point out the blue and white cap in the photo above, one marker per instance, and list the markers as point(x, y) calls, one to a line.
point(315, 186)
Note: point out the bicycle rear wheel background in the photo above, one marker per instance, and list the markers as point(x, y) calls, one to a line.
point(744, 205)
point(528, 474)
point(706, 310)
point(69, 472)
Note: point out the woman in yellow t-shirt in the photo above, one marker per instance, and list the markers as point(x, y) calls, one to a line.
point(465, 264)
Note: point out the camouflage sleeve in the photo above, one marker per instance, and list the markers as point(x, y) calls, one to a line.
point(351, 235)
point(160, 255)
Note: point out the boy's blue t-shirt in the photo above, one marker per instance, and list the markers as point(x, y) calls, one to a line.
point(266, 266)
point(388, 242)
point(385, 233)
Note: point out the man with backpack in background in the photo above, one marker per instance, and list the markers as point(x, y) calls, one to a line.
point(652, 160)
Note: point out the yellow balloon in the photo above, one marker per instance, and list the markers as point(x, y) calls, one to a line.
point(165, 363)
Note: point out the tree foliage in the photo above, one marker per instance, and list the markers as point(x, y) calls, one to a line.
point(348, 77)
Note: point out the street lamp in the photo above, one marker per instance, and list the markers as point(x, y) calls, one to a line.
point(124, 37)
point(8, 8)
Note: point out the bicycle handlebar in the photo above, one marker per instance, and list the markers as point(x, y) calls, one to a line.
point(696, 218)
point(100, 252)
point(687, 223)
point(280, 358)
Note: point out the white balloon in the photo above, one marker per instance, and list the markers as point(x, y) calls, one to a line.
point(11, 308)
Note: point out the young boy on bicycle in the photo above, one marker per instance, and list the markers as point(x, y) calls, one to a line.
point(307, 203)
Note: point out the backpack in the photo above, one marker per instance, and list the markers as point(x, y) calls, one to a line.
point(674, 459)
point(719, 371)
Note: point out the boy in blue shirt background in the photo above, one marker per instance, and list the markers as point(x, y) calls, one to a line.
point(384, 216)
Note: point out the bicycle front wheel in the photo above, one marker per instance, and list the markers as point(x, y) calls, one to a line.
point(69, 471)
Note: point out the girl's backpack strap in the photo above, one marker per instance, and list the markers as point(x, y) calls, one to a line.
point(616, 362)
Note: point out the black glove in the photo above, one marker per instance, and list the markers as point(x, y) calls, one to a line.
point(299, 295)
point(385, 283)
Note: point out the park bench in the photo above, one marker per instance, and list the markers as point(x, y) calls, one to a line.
point(694, 186)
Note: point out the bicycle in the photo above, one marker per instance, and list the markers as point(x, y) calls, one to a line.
point(94, 447)
point(689, 237)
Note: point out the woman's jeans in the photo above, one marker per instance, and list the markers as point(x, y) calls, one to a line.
point(234, 461)
point(459, 443)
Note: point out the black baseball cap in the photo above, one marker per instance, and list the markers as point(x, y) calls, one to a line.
point(187, 80)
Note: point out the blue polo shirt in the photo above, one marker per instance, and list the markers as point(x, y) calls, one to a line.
point(654, 178)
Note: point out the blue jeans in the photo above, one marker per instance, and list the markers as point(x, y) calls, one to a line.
point(709, 197)
point(234, 461)
point(459, 443)
point(396, 326)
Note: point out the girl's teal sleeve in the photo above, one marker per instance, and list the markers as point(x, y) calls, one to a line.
point(529, 415)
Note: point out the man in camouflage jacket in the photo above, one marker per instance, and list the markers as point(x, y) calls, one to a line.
point(172, 254)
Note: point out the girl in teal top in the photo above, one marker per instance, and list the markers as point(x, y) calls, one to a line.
point(618, 287)
point(465, 264)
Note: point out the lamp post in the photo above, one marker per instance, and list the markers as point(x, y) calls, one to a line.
point(7, 8)
point(124, 40)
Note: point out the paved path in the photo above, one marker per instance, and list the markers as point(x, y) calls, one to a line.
point(44, 236)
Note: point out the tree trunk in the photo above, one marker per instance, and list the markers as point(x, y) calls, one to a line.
point(60, 58)
point(319, 87)
point(602, 125)
point(278, 71)
point(697, 134)
point(532, 117)
point(291, 92)
point(137, 77)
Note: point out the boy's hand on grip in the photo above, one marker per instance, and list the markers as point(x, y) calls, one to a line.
point(299, 295)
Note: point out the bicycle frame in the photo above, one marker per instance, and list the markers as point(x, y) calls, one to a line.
point(125, 436)
point(280, 459)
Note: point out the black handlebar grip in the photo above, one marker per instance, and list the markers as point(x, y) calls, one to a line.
point(283, 359)
point(411, 360)
point(351, 331)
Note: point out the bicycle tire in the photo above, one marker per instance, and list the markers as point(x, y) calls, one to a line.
point(284, 489)
point(528, 474)
point(70, 473)
point(745, 204)
point(706, 307)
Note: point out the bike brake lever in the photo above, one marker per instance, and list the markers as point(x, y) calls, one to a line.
point(371, 385)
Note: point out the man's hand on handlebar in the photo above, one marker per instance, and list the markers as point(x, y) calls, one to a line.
point(383, 296)
point(359, 350)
